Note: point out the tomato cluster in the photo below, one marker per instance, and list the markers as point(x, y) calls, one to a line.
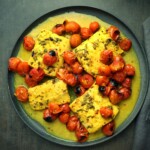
point(72, 122)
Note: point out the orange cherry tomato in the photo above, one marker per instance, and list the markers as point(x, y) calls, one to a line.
point(13, 63)
point(59, 29)
point(48, 116)
point(65, 108)
point(109, 128)
point(94, 26)
point(106, 112)
point(114, 33)
point(76, 68)
point(37, 74)
point(125, 44)
point(129, 70)
point(104, 70)
point(75, 40)
point(21, 93)
point(119, 76)
point(64, 117)
point(69, 57)
point(61, 73)
point(70, 79)
point(127, 82)
point(72, 123)
point(29, 81)
point(28, 43)
point(102, 80)
point(54, 108)
point(85, 33)
point(72, 27)
point(23, 68)
point(50, 58)
point(106, 57)
point(79, 90)
point(86, 80)
point(126, 92)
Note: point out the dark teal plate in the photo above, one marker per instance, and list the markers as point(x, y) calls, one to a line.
point(106, 17)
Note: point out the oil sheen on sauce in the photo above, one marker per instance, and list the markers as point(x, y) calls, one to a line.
point(56, 128)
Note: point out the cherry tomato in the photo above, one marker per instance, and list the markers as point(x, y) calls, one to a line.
point(125, 44)
point(106, 112)
point(48, 116)
point(76, 68)
point(127, 82)
point(37, 74)
point(13, 63)
point(102, 80)
point(21, 93)
point(114, 32)
point(109, 128)
point(70, 79)
point(86, 81)
point(94, 26)
point(79, 90)
point(68, 68)
point(81, 134)
point(106, 57)
point(64, 117)
point(61, 73)
point(69, 57)
point(72, 27)
point(23, 68)
point(54, 108)
point(85, 33)
point(129, 70)
point(126, 92)
point(59, 29)
point(117, 64)
point(119, 76)
point(28, 43)
point(75, 40)
point(50, 58)
point(29, 81)
point(72, 123)
point(105, 90)
point(65, 108)
point(104, 70)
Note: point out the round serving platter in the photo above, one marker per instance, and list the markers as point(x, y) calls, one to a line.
point(106, 17)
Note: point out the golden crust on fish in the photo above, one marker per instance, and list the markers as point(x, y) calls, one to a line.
point(87, 107)
point(88, 53)
point(46, 41)
point(53, 90)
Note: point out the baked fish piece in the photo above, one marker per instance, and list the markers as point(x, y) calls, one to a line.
point(87, 108)
point(44, 42)
point(88, 52)
point(53, 90)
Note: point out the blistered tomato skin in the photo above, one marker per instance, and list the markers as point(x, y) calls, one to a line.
point(65, 108)
point(29, 81)
point(119, 76)
point(72, 123)
point(59, 29)
point(28, 43)
point(54, 108)
point(69, 57)
point(125, 92)
point(61, 73)
point(129, 70)
point(48, 116)
point(109, 128)
point(13, 63)
point(94, 26)
point(21, 93)
point(76, 68)
point(70, 79)
point(102, 80)
point(86, 33)
point(104, 70)
point(114, 33)
point(106, 112)
point(125, 44)
point(75, 40)
point(106, 57)
point(64, 117)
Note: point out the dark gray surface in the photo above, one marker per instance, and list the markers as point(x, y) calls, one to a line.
point(15, 16)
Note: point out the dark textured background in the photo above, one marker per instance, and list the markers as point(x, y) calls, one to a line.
point(15, 16)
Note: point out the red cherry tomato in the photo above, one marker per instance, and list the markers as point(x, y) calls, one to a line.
point(76, 68)
point(79, 90)
point(21, 93)
point(64, 117)
point(29, 81)
point(127, 82)
point(94, 26)
point(106, 57)
point(13, 63)
point(85, 33)
point(125, 44)
point(70, 79)
point(72, 27)
point(23, 68)
point(48, 116)
point(69, 57)
point(86, 80)
point(104, 70)
point(28, 43)
point(61, 73)
point(102, 80)
point(72, 123)
point(54, 108)
point(59, 29)
point(50, 58)
point(106, 112)
point(109, 128)
point(129, 70)
point(125, 92)
point(65, 108)
point(37, 74)
point(114, 32)
point(119, 76)
point(75, 40)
